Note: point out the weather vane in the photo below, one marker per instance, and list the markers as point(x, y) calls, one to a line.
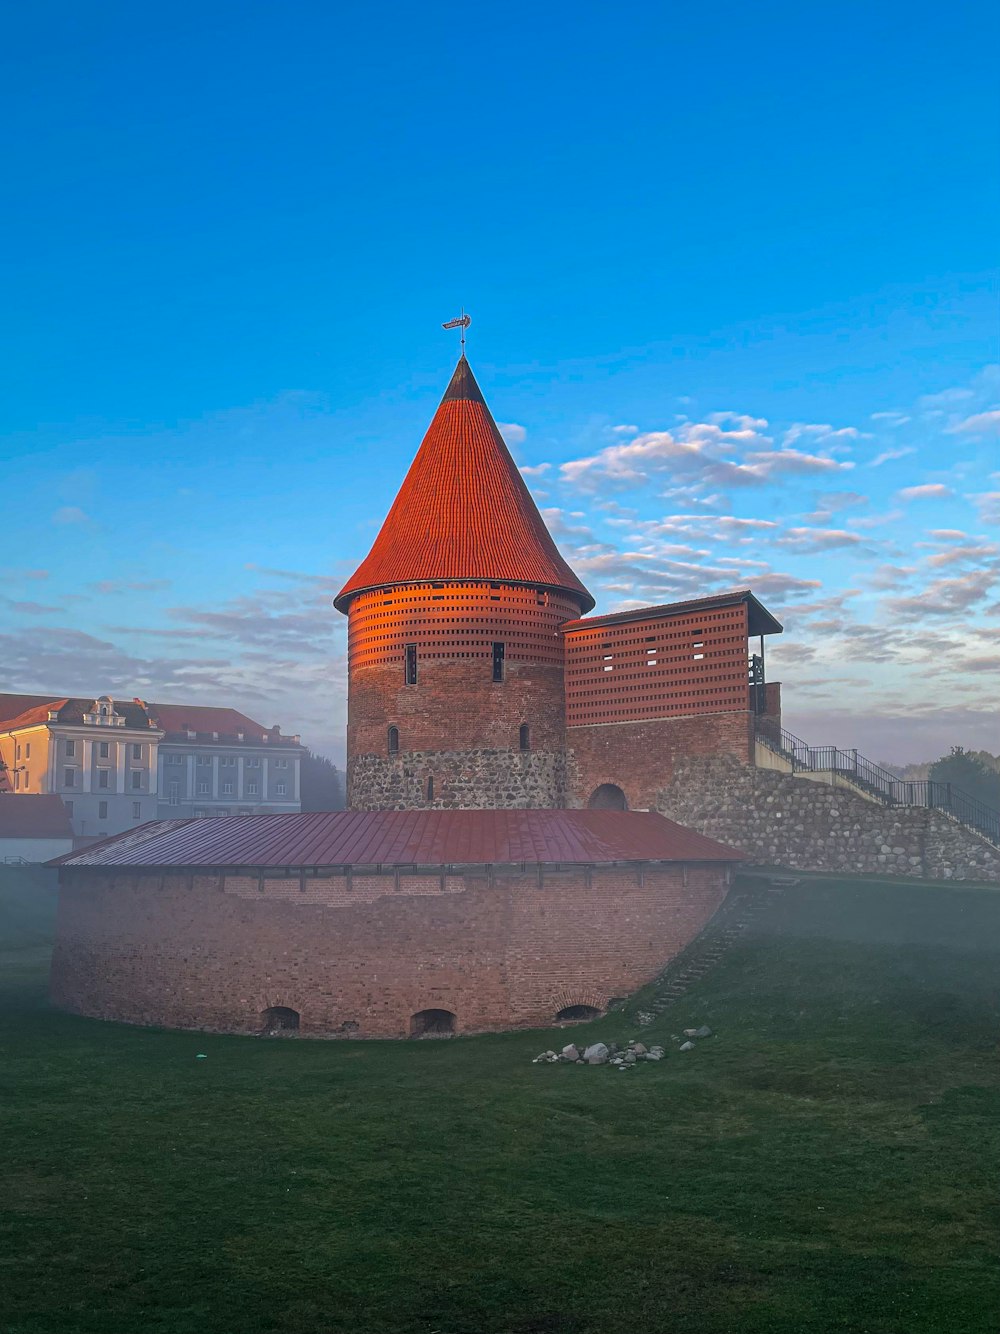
point(462, 323)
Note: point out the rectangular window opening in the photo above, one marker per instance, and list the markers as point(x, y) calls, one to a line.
point(411, 664)
point(498, 653)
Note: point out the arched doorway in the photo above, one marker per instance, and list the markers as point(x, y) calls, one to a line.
point(575, 1013)
point(279, 1019)
point(607, 797)
point(432, 1024)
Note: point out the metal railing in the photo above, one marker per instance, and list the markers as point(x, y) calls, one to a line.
point(878, 782)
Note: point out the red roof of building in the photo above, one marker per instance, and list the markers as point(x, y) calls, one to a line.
point(31, 815)
point(463, 511)
point(177, 720)
point(13, 706)
point(407, 838)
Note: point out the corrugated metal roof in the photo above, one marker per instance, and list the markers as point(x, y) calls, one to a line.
point(463, 511)
point(407, 838)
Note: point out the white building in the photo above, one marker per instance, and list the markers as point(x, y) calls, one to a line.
point(117, 764)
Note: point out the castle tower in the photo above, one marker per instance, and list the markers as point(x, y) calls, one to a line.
point(455, 661)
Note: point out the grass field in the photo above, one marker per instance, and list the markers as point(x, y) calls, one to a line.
point(827, 1162)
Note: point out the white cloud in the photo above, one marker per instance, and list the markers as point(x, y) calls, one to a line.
point(888, 455)
point(535, 469)
point(981, 423)
point(926, 491)
point(512, 433)
point(70, 514)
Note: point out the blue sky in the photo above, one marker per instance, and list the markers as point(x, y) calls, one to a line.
point(732, 273)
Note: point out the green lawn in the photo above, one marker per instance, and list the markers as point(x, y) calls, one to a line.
point(827, 1162)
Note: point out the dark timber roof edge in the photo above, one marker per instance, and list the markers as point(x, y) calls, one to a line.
point(759, 620)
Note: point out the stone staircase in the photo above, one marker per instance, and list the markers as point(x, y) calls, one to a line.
point(776, 748)
point(745, 903)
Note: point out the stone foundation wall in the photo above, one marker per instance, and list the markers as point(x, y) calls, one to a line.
point(779, 820)
point(360, 955)
point(463, 780)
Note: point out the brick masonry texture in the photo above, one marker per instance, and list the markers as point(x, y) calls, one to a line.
point(214, 951)
point(780, 820)
point(463, 780)
point(456, 706)
point(641, 757)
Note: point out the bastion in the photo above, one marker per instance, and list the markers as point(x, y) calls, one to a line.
point(382, 924)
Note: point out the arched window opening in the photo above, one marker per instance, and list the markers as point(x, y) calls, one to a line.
point(393, 740)
point(576, 1013)
point(279, 1019)
point(430, 790)
point(432, 1024)
point(608, 797)
point(525, 737)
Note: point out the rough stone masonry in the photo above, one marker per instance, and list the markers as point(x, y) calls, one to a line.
point(781, 820)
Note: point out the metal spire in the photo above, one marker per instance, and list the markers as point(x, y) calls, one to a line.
point(462, 323)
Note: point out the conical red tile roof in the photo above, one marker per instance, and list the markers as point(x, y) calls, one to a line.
point(463, 511)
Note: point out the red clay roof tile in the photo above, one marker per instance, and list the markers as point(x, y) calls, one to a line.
point(463, 511)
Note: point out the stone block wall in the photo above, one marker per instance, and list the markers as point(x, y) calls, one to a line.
point(463, 780)
point(780, 820)
point(360, 955)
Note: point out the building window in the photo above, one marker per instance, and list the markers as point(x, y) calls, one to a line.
point(17, 780)
point(137, 751)
point(281, 789)
point(200, 814)
point(227, 789)
point(498, 662)
point(393, 740)
point(174, 796)
point(137, 782)
point(175, 759)
point(525, 737)
point(104, 778)
point(102, 810)
point(69, 778)
point(17, 751)
point(229, 759)
point(204, 759)
point(27, 751)
point(411, 664)
point(104, 749)
point(27, 780)
point(70, 748)
point(137, 810)
point(253, 762)
point(202, 789)
point(69, 808)
point(251, 789)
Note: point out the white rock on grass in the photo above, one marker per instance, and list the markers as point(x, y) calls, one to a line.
point(596, 1054)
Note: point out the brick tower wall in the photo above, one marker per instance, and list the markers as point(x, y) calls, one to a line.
point(360, 955)
point(646, 692)
point(456, 724)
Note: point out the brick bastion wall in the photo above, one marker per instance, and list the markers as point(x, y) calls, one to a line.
point(780, 820)
point(362, 954)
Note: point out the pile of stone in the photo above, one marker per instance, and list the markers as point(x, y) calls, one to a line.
point(610, 1053)
point(603, 1053)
